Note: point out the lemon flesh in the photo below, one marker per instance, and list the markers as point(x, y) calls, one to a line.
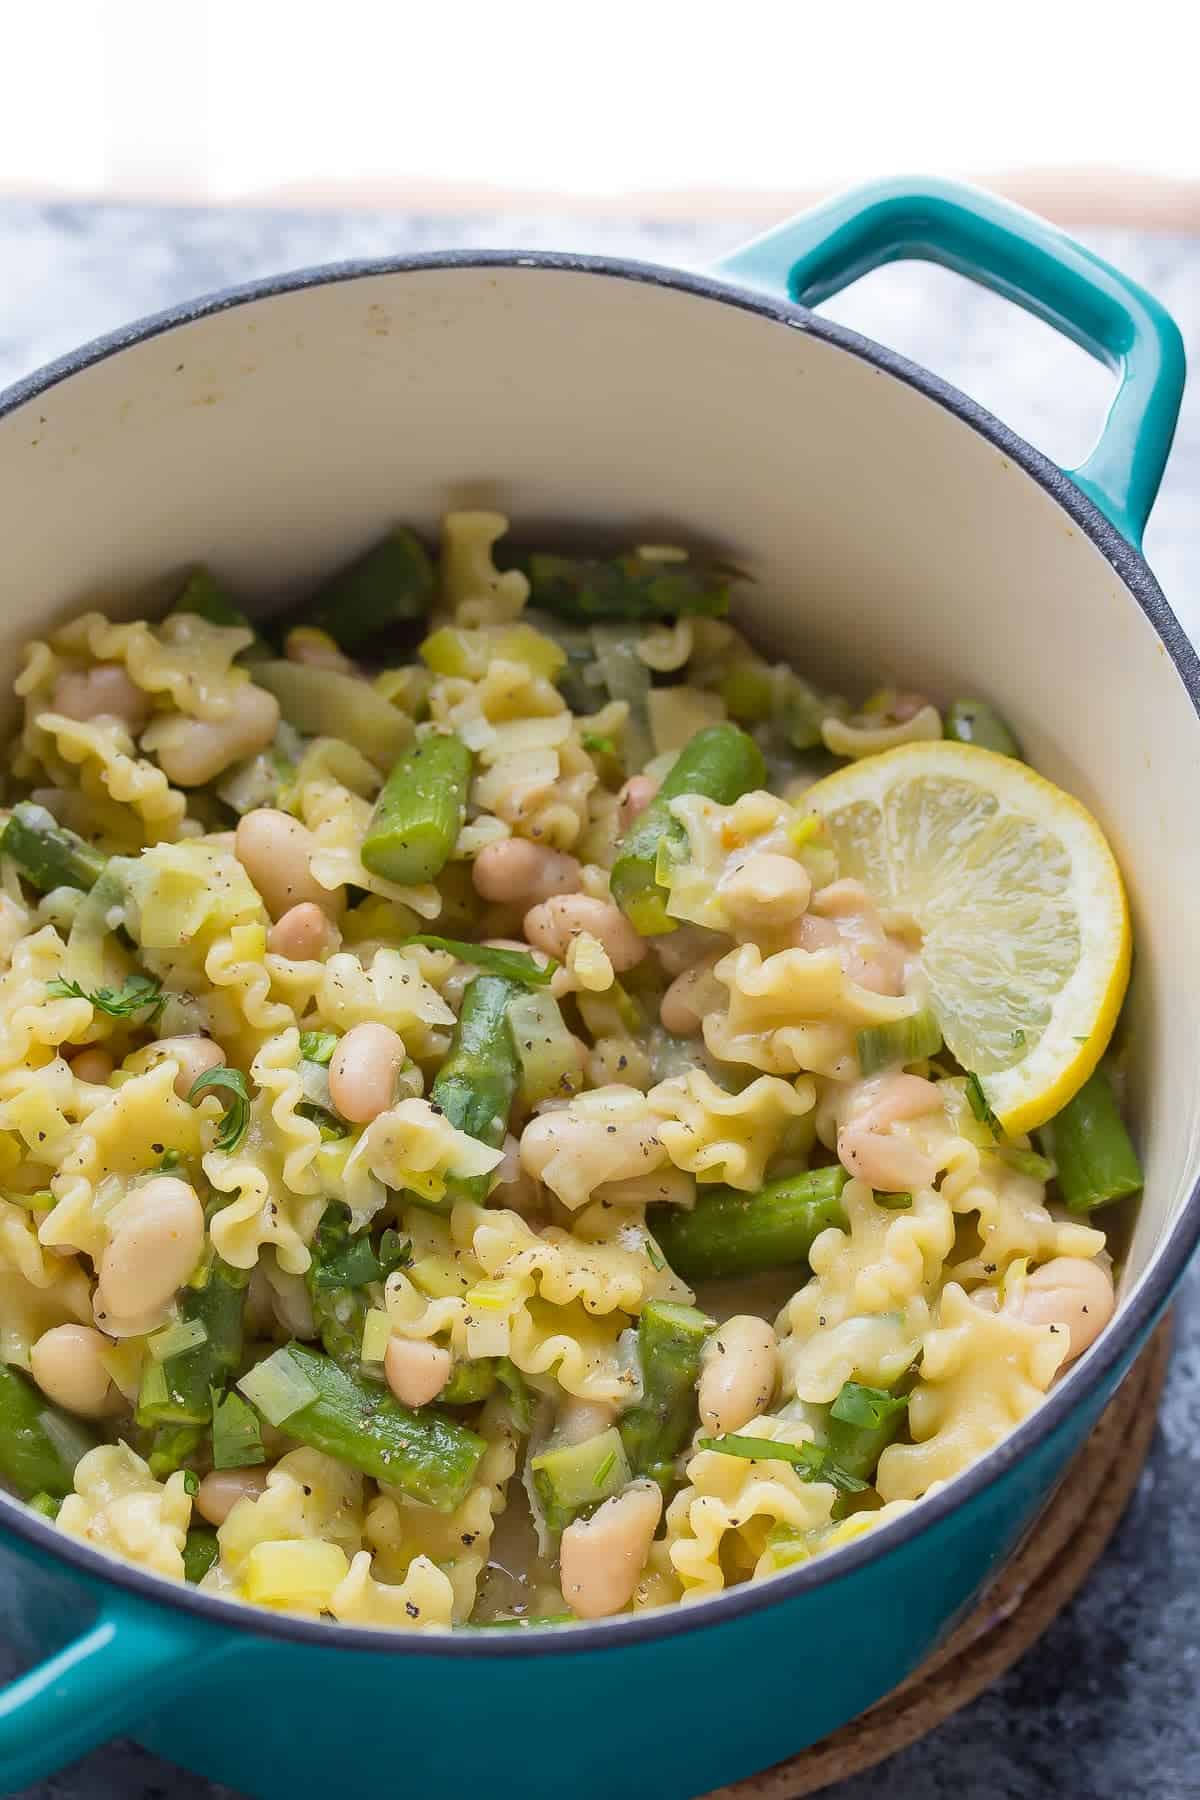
point(1025, 942)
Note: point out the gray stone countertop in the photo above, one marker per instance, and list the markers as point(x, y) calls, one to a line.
point(1105, 1704)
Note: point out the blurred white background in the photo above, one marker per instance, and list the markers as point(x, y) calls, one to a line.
point(405, 103)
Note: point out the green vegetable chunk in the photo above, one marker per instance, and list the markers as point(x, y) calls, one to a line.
point(655, 1428)
point(476, 1084)
point(428, 1457)
point(327, 703)
point(39, 1443)
point(1094, 1153)
point(576, 1477)
point(731, 1233)
point(341, 1267)
point(176, 1391)
point(318, 1047)
point(45, 1504)
point(389, 585)
point(170, 1448)
point(47, 854)
point(975, 722)
point(862, 1422)
point(200, 1552)
point(469, 1383)
point(420, 811)
point(139, 993)
point(720, 762)
point(514, 965)
point(633, 586)
point(897, 1042)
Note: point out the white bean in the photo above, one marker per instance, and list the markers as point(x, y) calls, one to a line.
point(738, 1374)
point(196, 1055)
point(158, 1235)
point(274, 849)
point(866, 1144)
point(105, 692)
point(681, 1009)
point(766, 889)
point(93, 1065)
point(516, 870)
point(303, 934)
point(362, 1071)
point(634, 798)
point(65, 1363)
point(193, 751)
point(601, 1558)
point(416, 1370)
point(552, 925)
point(221, 1490)
point(1070, 1291)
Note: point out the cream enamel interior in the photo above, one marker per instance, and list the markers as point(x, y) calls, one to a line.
point(886, 537)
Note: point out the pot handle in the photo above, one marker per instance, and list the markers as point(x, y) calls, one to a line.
point(127, 1662)
point(1012, 251)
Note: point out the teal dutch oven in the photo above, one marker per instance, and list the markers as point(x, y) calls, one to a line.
point(890, 524)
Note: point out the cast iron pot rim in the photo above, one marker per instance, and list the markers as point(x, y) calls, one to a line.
point(1137, 1316)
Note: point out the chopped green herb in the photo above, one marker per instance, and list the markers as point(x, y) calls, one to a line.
point(191, 1483)
point(513, 965)
point(318, 1046)
point(171, 1159)
point(1018, 1038)
point(811, 1461)
point(46, 1504)
point(394, 1252)
point(200, 1552)
point(236, 1438)
point(978, 1102)
point(866, 1406)
point(657, 1259)
point(894, 1202)
point(605, 1470)
point(237, 1110)
point(598, 745)
point(329, 1125)
point(139, 993)
point(521, 1397)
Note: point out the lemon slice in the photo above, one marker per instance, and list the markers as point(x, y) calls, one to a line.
point(1024, 925)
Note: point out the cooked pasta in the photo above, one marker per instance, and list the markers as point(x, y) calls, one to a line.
point(482, 1136)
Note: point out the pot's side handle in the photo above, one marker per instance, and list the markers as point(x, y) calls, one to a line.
point(1026, 259)
point(128, 1662)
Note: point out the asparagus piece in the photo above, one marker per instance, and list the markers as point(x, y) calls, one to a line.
point(1096, 1160)
point(469, 1383)
point(898, 1041)
point(39, 1443)
point(47, 854)
point(975, 722)
point(420, 812)
point(423, 1454)
point(731, 1233)
point(389, 585)
point(514, 965)
point(721, 762)
point(655, 1428)
point(633, 586)
point(476, 1084)
point(177, 1390)
point(200, 1552)
point(862, 1422)
point(575, 1477)
point(326, 703)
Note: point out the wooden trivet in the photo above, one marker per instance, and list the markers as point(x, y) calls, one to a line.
point(1046, 1571)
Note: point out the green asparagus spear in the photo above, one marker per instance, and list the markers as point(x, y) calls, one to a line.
point(634, 586)
point(47, 854)
point(975, 722)
point(200, 1552)
point(862, 1422)
point(898, 1041)
point(469, 1383)
point(420, 812)
point(39, 1443)
point(475, 1085)
point(656, 1427)
point(389, 585)
point(423, 1454)
point(574, 1478)
point(721, 762)
point(1096, 1160)
point(731, 1233)
point(176, 1391)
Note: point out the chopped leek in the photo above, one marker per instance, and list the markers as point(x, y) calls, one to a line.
point(174, 1339)
point(898, 1042)
point(278, 1387)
